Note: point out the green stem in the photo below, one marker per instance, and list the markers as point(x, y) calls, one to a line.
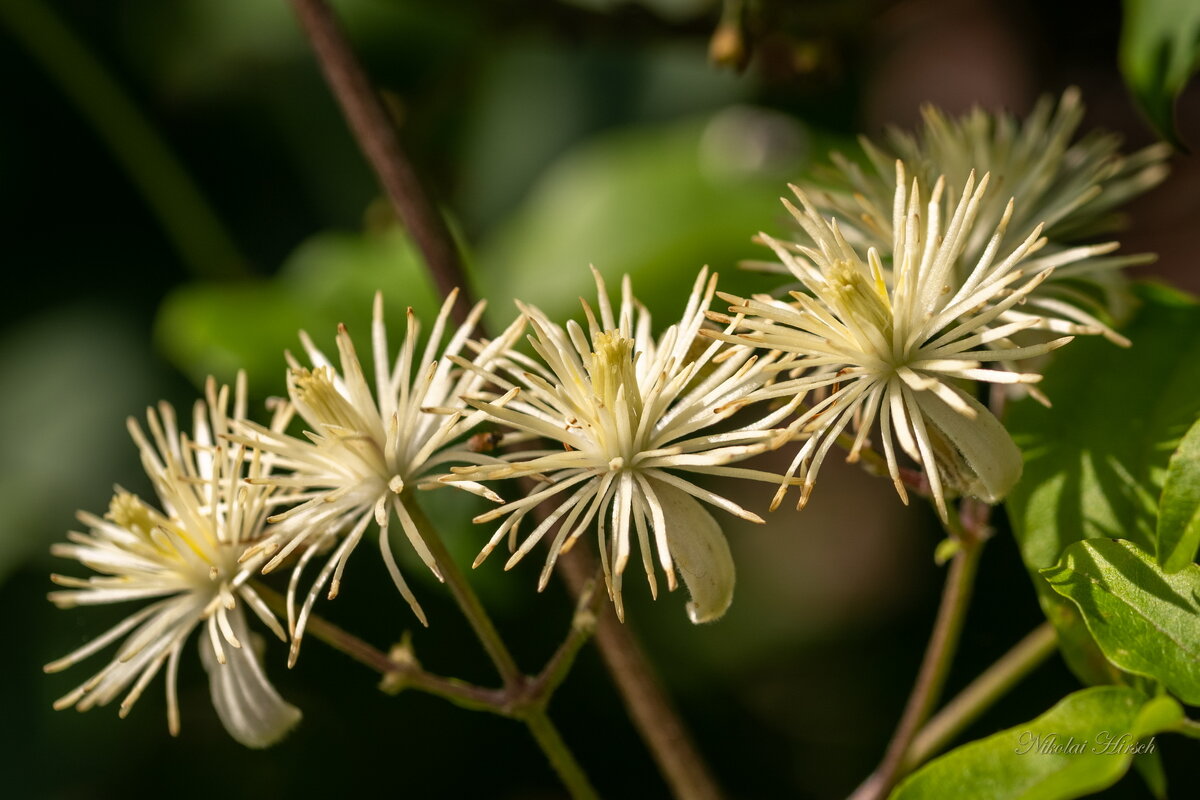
point(981, 694)
point(939, 653)
point(583, 625)
point(189, 222)
point(556, 750)
point(515, 683)
point(466, 598)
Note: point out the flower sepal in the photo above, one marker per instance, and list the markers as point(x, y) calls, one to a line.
point(700, 553)
point(249, 707)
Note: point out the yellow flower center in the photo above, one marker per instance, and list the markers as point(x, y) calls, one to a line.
point(614, 382)
point(315, 388)
point(612, 369)
point(128, 511)
point(858, 299)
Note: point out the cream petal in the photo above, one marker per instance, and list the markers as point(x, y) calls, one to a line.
point(699, 551)
point(989, 459)
point(248, 705)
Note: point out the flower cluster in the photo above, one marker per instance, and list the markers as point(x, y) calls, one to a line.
point(895, 323)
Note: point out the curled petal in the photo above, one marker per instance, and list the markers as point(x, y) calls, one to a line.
point(700, 553)
point(984, 455)
point(248, 705)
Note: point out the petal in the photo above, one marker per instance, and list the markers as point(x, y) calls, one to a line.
point(987, 456)
point(700, 552)
point(248, 705)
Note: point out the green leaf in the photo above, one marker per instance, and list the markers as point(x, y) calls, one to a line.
point(1146, 621)
point(1179, 508)
point(1096, 461)
point(1074, 749)
point(1159, 52)
point(219, 328)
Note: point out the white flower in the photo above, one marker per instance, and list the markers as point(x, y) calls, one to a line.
point(361, 450)
point(186, 558)
point(902, 348)
point(629, 412)
point(1069, 188)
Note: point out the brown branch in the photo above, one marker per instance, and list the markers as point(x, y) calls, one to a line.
point(645, 700)
point(377, 138)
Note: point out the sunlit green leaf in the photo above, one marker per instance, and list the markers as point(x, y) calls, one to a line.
point(1159, 52)
point(1179, 509)
point(1083, 744)
point(1146, 621)
point(1096, 461)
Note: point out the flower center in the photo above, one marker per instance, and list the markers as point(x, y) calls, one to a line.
point(859, 300)
point(612, 369)
point(342, 426)
point(128, 511)
point(315, 388)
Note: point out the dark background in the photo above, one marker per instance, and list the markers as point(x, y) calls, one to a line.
point(556, 134)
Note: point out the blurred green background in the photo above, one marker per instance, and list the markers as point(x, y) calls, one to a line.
point(178, 195)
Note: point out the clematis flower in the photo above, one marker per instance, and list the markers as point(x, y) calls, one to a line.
point(903, 347)
point(631, 415)
point(1070, 187)
point(362, 449)
point(183, 555)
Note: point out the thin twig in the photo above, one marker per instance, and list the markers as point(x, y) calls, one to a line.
point(516, 684)
point(729, 45)
point(874, 462)
point(556, 750)
point(981, 694)
point(401, 670)
point(398, 673)
point(939, 653)
point(583, 625)
point(467, 600)
point(376, 136)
